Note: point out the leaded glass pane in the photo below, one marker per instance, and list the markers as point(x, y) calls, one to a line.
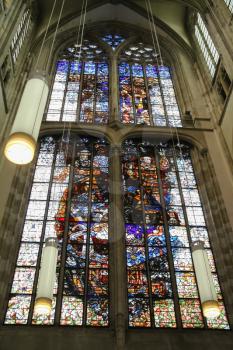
point(113, 40)
point(71, 203)
point(163, 215)
point(147, 94)
point(80, 90)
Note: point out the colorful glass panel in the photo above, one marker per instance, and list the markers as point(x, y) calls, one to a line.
point(163, 215)
point(149, 278)
point(71, 203)
point(80, 90)
point(113, 40)
point(147, 95)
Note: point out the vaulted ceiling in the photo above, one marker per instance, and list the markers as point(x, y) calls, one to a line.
point(172, 13)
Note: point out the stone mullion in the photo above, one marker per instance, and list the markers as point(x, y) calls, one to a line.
point(117, 249)
point(147, 262)
point(175, 294)
point(113, 91)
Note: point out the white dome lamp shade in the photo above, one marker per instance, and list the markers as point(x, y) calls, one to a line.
point(47, 275)
point(21, 145)
point(205, 281)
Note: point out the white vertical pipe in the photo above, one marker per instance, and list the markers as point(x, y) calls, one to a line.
point(205, 281)
point(47, 276)
point(20, 147)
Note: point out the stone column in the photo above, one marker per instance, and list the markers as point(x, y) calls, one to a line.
point(117, 248)
point(114, 103)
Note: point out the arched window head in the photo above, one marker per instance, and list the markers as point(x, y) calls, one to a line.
point(147, 93)
point(69, 200)
point(163, 217)
point(80, 91)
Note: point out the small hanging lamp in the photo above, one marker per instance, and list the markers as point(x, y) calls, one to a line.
point(205, 282)
point(47, 274)
point(21, 145)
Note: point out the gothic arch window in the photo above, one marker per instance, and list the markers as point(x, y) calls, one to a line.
point(69, 200)
point(147, 93)
point(163, 216)
point(80, 91)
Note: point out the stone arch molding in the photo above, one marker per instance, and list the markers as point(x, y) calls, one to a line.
point(65, 36)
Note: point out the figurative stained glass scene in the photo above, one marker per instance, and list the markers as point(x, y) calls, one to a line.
point(163, 216)
point(147, 94)
point(80, 91)
point(69, 200)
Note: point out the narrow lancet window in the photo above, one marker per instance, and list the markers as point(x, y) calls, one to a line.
point(163, 216)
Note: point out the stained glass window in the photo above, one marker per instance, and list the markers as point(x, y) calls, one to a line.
point(113, 40)
point(20, 35)
point(80, 91)
point(163, 216)
point(206, 45)
point(229, 4)
point(147, 93)
point(69, 200)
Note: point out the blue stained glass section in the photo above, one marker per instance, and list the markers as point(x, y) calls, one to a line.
point(136, 257)
point(134, 234)
point(151, 71)
point(75, 67)
point(102, 69)
point(164, 72)
point(89, 68)
point(62, 66)
point(113, 40)
point(155, 235)
point(124, 69)
point(137, 70)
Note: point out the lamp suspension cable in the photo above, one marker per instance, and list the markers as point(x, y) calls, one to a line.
point(78, 46)
point(47, 273)
point(45, 34)
point(208, 296)
point(79, 42)
point(64, 144)
point(160, 62)
point(44, 297)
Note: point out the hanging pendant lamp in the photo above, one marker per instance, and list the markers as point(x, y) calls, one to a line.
point(47, 274)
point(21, 145)
point(205, 282)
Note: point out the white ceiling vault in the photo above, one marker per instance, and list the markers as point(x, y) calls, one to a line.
point(170, 14)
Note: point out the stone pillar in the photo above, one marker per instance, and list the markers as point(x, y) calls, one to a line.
point(114, 117)
point(117, 247)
